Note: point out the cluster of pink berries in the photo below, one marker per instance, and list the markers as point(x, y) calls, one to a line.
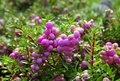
point(48, 40)
point(67, 44)
point(109, 53)
point(20, 58)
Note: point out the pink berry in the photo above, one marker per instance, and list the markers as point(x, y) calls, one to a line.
point(46, 54)
point(106, 79)
point(81, 30)
point(45, 42)
point(87, 25)
point(34, 67)
point(63, 36)
point(34, 54)
point(47, 32)
point(40, 39)
point(39, 60)
point(70, 37)
point(50, 48)
point(13, 55)
point(59, 49)
point(55, 31)
point(51, 36)
point(18, 79)
point(76, 34)
point(111, 52)
point(116, 58)
point(108, 44)
point(49, 25)
point(83, 65)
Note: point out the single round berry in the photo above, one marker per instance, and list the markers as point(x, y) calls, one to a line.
point(47, 32)
point(116, 58)
point(40, 39)
point(51, 36)
point(18, 79)
point(72, 28)
point(87, 25)
point(45, 42)
point(70, 37)
point(34, 67)
point(83, 65)
point(108, 44)
point(34, 54)
point(39, 60)
point(106, 79)
point(50, 48)
point(85, 76)
point(46, 54)
point(76, 34)
point(13, 55)
point(55, 31)
point(63, 36)
point(111, 52)
point(49, 25)
point(81, 30)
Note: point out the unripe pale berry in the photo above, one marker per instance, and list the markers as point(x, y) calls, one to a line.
point(108, 44)
point(106, 79)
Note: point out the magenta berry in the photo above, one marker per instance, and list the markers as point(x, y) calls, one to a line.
point(34, 54)
point(45, 42)
point(13, 55)
point(81, 30)
point(40, 39)
point(51, 36)
point(39, 60)
point(83, 65)
point(50, 48)
point(87, 25)
point(47, 32)
point(46, 54)
point(76, 34)
point(63, 36)
point(111, 52)
point(34, 67)
point(49, 25)
point(70, 37)
point(55, 31)
point(116, 58)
